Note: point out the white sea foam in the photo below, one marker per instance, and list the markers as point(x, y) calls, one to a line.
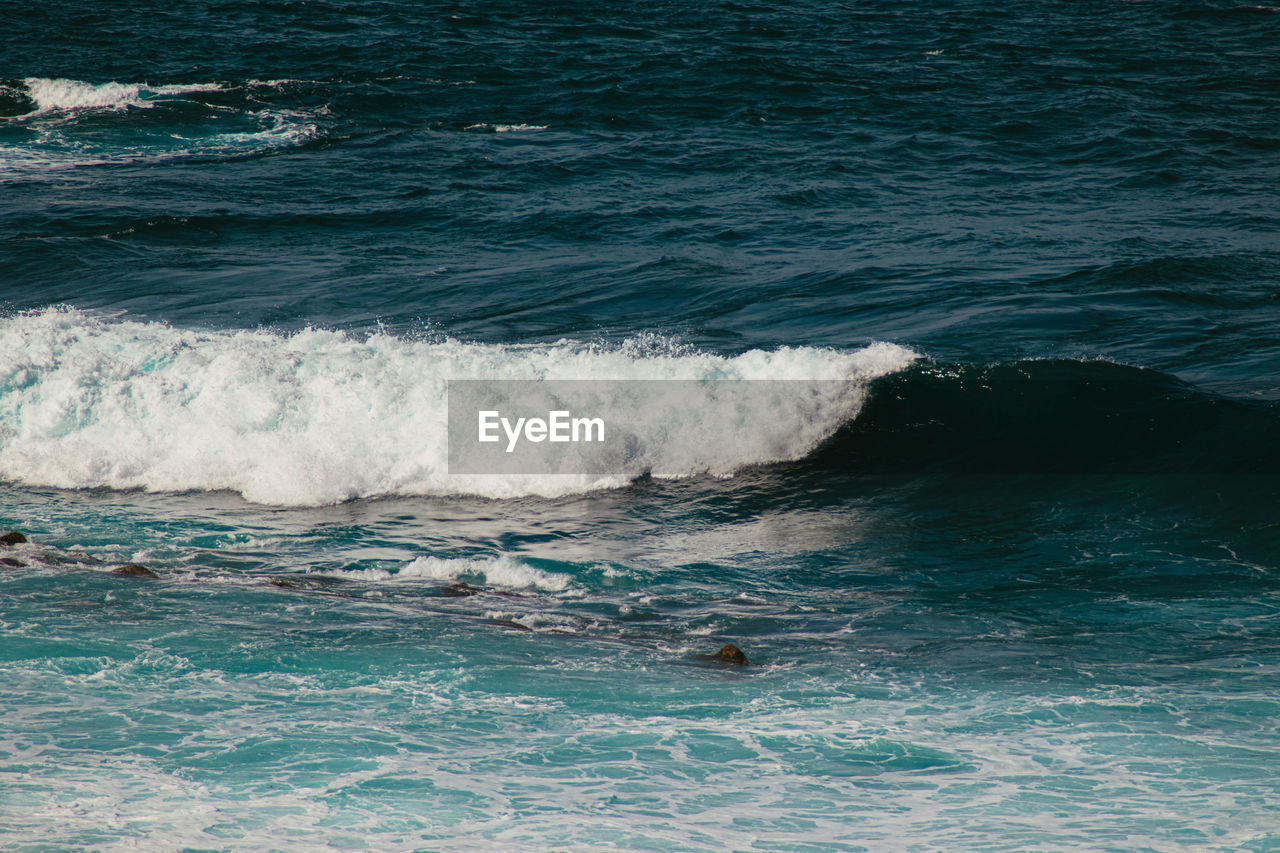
point(51, 94)
point(981, 767)
point(503, 570)
point(319, 417)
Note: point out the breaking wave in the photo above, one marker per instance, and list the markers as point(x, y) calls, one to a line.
point(56, 123)
point(317, 417)
point(50, 94)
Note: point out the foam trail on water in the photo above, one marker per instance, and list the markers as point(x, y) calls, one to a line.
point(319, 417)
point(506, 128)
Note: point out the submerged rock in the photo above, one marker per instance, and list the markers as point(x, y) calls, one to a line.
point(134, 570)
point(729, 653)
point(315, 585)
point(10, 561)
point(460, 589)
point(13, 537)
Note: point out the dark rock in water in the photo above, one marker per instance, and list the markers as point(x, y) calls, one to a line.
point(13, 537)
point(9, 561)
point(460, 589)
point(729, 653)
point(133, 570)
point(283, 583)
point(512, 624)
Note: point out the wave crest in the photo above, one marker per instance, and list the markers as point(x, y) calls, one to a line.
point(50, 94)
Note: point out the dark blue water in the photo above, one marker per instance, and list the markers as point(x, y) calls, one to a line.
point(1026, 599)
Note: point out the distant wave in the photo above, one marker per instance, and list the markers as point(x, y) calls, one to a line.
point(506, 128)
point(55, 123)
point(50, 94)
point(318, 417)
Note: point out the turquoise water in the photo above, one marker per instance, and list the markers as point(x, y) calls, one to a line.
point(1024, 598)
point(1014, 682)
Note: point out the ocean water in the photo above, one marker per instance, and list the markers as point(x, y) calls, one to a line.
point(1025, 596)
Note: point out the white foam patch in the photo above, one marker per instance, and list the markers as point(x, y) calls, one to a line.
point(507, 128)
point(50, 94)
point(277, 83)
point(503, 570)
point(319, 417)
point(534, 621)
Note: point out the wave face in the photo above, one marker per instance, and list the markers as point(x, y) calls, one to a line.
point(319, 417)
point(1052, 417)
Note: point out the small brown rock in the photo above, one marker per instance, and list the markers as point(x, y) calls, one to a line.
point(133, 570)
point(460, 590)
point(729, 653)
point(13, 537)
point(9, 561)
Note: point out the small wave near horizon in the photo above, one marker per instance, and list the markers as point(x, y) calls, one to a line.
point(58, 123)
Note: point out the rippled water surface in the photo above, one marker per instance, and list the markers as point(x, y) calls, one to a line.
point(1026, 599)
